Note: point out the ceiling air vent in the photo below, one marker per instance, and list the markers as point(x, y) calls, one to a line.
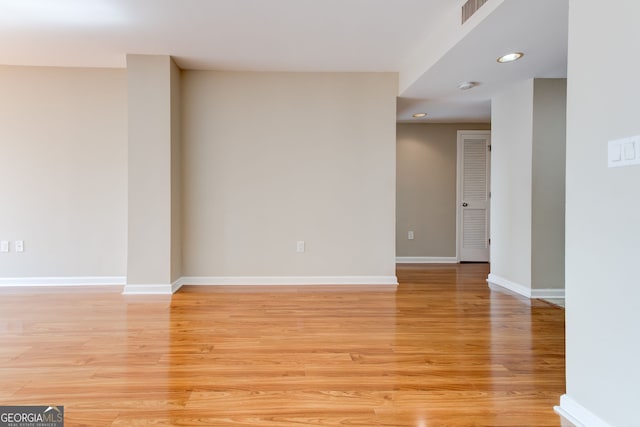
point(471, 7)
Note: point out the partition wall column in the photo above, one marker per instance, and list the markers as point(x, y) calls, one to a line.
point(154, 224)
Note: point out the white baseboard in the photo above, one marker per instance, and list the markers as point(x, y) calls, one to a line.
point(523, 290)
point(578, 414)
point(62, 281)
point(290, 280)
point(175, 286)
point(171, 288)
point(501, 282)
point(149, 289)
point(168, 289)
point(426, 260)
point(547, 293)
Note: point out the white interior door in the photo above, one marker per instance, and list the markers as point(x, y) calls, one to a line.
point(474, 157)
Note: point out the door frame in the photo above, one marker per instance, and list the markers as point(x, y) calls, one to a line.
point(459, 148)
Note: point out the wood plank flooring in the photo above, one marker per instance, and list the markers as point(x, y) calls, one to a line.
point(441, 350)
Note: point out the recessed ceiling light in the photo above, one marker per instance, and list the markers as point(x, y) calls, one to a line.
point(419, 115)
point(510, 57)
point(467, 85)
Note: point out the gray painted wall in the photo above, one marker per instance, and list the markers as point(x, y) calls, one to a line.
point(149, 222)
point(426, 188)
point(176, 172)
point(63, 180)
point(528, 169)
point(548, 183)
point(259, 160)
point(274, 158)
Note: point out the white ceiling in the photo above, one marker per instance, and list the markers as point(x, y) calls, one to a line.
point(295, 35)
point(539, 28)
point(283, 35)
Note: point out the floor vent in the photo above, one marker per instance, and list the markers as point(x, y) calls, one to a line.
point(471, 7)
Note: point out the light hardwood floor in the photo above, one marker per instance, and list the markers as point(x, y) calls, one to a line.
point(441, 350)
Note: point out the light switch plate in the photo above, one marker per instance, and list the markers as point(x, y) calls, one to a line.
point(629, 150)
point(4, 246)
point(624, 152)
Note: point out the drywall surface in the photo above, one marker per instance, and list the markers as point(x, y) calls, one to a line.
point(63, 180)
point(511, 181)
point(176, 172)
point(548, 183)
point(149, 183)
point(603, 207)
point(270, 159)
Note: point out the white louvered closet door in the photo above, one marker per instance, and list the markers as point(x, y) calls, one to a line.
point(473, 200)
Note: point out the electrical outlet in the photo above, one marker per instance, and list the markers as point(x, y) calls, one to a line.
point(4, 246)
point(410, 235)
point(19, 245)
point(300, 246)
